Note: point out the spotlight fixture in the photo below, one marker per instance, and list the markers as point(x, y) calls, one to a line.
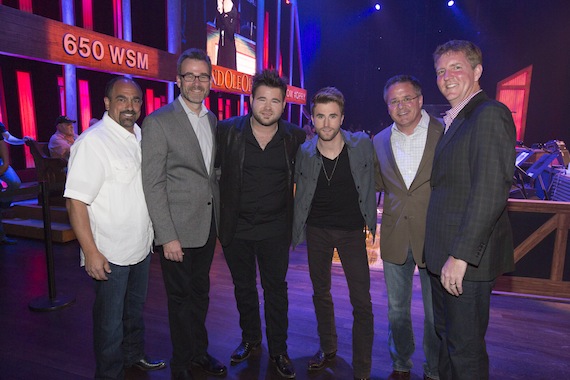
point(450, 3)
point(377, 6)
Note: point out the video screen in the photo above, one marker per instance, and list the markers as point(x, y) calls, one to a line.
point(231, 32)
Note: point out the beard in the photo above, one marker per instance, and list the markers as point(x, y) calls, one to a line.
point(128, 121)
point(328, 135)
point(265, 121)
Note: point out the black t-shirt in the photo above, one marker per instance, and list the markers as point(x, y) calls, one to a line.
point(335, 204)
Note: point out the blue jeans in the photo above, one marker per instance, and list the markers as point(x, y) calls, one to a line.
point(351, 247)
point(118, 326)
point(12, 184)
point(399, 282)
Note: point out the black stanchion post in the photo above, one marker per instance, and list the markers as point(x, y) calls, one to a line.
point(53, 301)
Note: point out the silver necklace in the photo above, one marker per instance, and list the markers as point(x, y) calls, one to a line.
point(325, 170)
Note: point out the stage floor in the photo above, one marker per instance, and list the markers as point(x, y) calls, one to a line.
point(527, 338)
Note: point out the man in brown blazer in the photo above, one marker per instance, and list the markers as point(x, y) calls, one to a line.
point(405, 154)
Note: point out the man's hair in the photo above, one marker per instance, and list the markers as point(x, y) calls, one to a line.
point(328, 95)
point(111, 84)
point(403, 78)
point(269, 78)
point(193, 53)
point(471, 51)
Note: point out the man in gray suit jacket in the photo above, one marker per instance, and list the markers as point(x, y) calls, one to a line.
point(405, 155)
point(182, 195)
point(468, 238)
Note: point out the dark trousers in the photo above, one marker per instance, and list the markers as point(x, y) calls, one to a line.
point(187, 286)
point(273, 261)
point(351, 247)
point(461, 323)
point(118, 326)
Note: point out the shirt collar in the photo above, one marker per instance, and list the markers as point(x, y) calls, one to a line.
point(422, 124)
point(451, 114)
point(118, 129)
point(203, 109)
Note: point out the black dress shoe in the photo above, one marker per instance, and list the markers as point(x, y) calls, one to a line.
point(181, 375)
point(210, 365)
point(319, 360)
point(243, 351)
point(284, 366)
point(145, 364)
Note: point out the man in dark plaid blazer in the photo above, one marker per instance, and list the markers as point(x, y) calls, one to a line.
point(468, 237)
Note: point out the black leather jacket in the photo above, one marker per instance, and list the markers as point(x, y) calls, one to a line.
point(230, 141)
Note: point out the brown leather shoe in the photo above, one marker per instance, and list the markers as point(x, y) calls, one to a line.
point(319, 360)
point(399, 375)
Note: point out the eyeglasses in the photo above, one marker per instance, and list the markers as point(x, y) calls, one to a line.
point(189, 77)
point(407, 100)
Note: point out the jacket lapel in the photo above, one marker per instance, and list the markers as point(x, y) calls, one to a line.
point(184, 122)
point(392, 158)
point(458, 121)
point(433, 137)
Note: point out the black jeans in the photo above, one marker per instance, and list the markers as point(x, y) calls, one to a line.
point(273, 261)
point(351, 247)
point(187, 288)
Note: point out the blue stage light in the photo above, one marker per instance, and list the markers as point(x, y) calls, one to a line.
point(450, 3)
point(377, 6)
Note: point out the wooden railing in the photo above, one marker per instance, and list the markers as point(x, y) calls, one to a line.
point(555, 286)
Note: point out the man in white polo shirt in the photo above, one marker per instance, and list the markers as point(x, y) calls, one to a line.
point(109, 216)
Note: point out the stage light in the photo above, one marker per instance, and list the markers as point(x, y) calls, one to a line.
point(377, 6)
point(450, 3)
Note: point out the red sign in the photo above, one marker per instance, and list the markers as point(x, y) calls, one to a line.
point(228, 80)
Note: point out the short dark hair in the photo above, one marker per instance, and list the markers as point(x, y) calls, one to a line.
point(472, 51)
point(194, 53)
point(269, 78)
point(111, 84)
point(403, 78)
point(328, 95)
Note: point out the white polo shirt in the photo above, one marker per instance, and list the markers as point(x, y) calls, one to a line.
point(104, 172)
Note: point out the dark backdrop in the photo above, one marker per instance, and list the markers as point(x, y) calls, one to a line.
point(346, 44)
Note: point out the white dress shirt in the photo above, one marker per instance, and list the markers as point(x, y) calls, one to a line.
point(409, 149)
point(201, 125)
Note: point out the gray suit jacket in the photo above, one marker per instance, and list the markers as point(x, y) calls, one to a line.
point(471, 178)
point(180, 194)
point(404, 217)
